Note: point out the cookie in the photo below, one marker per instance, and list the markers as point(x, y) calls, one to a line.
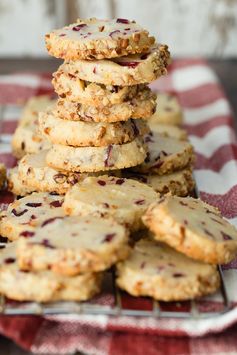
point(168, 130)
point(27, 138)
point(36, 175)
point(125, 200)
point(72, 88)
point(165, 155)
point(43, 286)
point(93, 38)
point(122, 71)
point(156, 270)
point(142, 106)
point(168, 110)
point(16, 184)
point(75, 245)
point(83, 134)
point(3, 174)
point(32, 107)
point(92, 159)
point(194, 228)
point(179, 183)
point(23, 216)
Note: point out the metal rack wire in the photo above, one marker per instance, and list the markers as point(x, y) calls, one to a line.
point(153, 308)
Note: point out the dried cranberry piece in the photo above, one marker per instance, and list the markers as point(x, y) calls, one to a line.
point(113, 32)
point(47, 244)
point(94, 70)
point(27, 234)
point(18, 214)
point(50, 220)
point(148, 139)
point(109, 151)
point(34, 204)
point(79, 27)
point(62, 35)
point(120, 181)
point(122, 20)
point(32, 216)
point(129, 64)
point(127, 29)
point(9, 260)
point(139, 202)
point(208, 232)
point(109, 237)
point(101, 182)
point(56, 203)
point(178, 275)
point(225, 236)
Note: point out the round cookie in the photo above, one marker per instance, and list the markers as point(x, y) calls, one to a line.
point(28, 139)
point(3, 173)
point(168, 110)
point(16, 185)
point(32, 107)
point(75, 245)
point(36, 175)
point(93, 134)
point(43, 286)
point(156, 270)
point(93, 38)
point(142, 106)
point(179, 183)
point(122, 71)
point(125, 200)
point(168, 130)
point(165, 155)
point(93, 159)
point(72, 88)
point(23, 216)
point(194, 228)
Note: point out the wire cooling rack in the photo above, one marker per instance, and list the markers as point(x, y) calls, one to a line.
point(113, 301)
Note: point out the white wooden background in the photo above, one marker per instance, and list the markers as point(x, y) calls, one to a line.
point(190, 27)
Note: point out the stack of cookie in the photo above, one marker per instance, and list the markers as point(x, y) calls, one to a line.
point(97, 125)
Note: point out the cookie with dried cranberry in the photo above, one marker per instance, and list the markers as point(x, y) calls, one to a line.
point(43, 286)
point(93, 134)
point(122, 71)
point(98, 39)
point(168, 110)
point(125, 200)
point(3, 174)
point(168, 130)
point(165, 155)
point(71, 88)
point(23, 216)
point(194, 228)
point(35, 175)
point(156, 270)
point(74, 245)
point(94, 159)
point(141, 106)
point(27, 138)
point(179, 183)
point(16, 184)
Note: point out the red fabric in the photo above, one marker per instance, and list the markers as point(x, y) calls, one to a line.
point(208, 119)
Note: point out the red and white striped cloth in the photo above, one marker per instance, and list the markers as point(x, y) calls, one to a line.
point(209, 121)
